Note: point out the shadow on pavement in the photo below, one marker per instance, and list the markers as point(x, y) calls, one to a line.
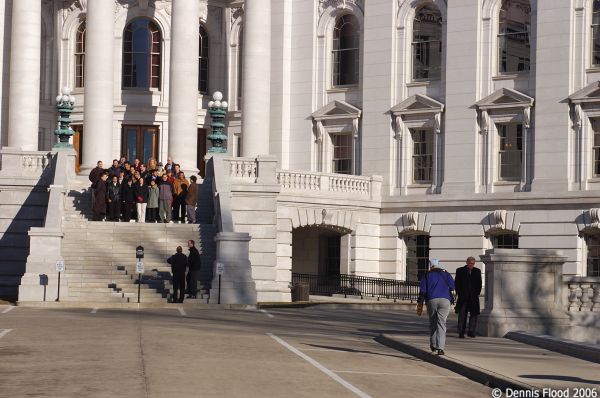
point(561, 378)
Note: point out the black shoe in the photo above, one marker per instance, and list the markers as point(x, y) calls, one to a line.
point(190, 296)
point(471, 334)
point(461, 336)
point(441, 352)
point(433, 349)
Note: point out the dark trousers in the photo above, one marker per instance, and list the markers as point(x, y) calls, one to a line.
point(98, 216)
point(462, 320)
point(192, 283)
point(114, 211)
point(178, 288)
point(179, 208)
point(127, 208)
point(152, 214)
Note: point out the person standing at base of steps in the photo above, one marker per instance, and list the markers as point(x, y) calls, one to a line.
point(468, 288)
point(178, 263)
point(436, 291)
point(193, 270)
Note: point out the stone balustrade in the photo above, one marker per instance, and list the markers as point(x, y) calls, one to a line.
point(28, 164)
point(242, 169)
point(583, 293)
point(303, 181)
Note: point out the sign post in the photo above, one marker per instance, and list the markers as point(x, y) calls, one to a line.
point(60, 267)
point(139, 267)
point(220, 271)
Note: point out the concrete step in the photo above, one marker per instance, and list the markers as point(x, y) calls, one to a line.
point(95, 299)
point(86, 277)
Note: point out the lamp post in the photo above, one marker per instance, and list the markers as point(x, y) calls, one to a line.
point(64, 104)
point(217, 110)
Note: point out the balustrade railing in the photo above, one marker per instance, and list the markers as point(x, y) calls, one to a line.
point(243, 168)
point(583, 293)
point(291, 180)
point(363, 286)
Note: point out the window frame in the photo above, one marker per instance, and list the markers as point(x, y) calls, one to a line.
point(595, 13)
point(514, 236)
point(429, 42)
point(500, 128)
point(592, 270)
point(348, 137)
point(429, 143)
point(421, 262)
point(154, 81)
point(79, 53)
point(503, 35)
point(203, 55)
point(337, 52)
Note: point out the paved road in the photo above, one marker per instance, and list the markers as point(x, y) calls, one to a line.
point(310, 352)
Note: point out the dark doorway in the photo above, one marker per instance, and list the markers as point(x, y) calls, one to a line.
point(201, 151)
point(140, 142)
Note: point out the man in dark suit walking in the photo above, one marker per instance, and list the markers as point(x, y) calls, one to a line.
point(468, 288)
point(178, 263)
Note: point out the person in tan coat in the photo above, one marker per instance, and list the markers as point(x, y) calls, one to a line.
point(191, 199)
point(179, 194)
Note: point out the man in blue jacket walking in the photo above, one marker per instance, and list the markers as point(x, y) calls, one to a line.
point(435, 290)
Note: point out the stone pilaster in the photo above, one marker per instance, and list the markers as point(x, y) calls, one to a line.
point(24, 87)
point(183, 95)
point(99, 83)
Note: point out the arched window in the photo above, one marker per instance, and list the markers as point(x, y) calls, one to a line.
point(427, 43)
point(346, 41)
point(514, 46)
point(80, 55)
point(203, 61)
point(596, 34)
point(142, 47)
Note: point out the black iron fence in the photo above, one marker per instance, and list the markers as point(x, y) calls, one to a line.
point(363, 286)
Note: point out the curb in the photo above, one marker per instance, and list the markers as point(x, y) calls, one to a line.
point(335, 305)
point(587, 352)
point(482, 376)
point(101, 305)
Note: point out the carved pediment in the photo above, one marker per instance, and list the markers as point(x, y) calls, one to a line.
point(413, 223)
point(590, 93)
point(505, 98)
point(337, 110)
point(418, 104)
point(500, 221)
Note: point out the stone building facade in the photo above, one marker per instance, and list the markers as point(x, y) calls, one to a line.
point(481, 116)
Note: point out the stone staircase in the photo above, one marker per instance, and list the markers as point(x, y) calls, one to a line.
point(100, 256)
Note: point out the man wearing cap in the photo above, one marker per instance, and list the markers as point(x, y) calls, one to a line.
point(436, 290)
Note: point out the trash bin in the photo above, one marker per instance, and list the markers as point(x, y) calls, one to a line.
point(300, 291)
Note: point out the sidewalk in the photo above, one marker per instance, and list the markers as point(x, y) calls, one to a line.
point(500, 362)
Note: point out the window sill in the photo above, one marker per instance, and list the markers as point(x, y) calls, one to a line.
point(417, 185)
point(342, 89)
point(140, 91)
point(593, 69)
point(419, 83)
point(511, 76)
point(507, 183)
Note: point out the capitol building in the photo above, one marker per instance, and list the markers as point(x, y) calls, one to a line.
point(364, 136)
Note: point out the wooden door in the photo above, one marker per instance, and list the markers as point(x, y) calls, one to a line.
point(78, 144)
point(140, 142)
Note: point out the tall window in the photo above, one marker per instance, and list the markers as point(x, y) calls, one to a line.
point(505, 241)
point(596, 34)
point(510, 153)
point(422, 156)
point(417, 256)
point(342, 153)
point(514, 36)
point(142, 49)
point(240, 76)
point(427, 44)
point(203, 61)
point(80, 55)
point(596, 148)
point(346, 41)
point(593, 255)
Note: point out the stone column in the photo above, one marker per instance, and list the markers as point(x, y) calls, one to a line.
point(256, 94)
point(183, 93)
point(24, 87)
point(99, 84)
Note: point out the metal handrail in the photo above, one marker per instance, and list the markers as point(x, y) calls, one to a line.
point(354, 285)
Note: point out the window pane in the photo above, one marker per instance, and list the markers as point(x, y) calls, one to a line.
point(422, 156)
point(131, 146)
point(345, 54)
point(427, 43)
point(505, 241)
point(141, 55)
point(510, 151)
point(203, 61)
point(342, 153)
point(514, 36)
point(593, 255)
point(417, 256)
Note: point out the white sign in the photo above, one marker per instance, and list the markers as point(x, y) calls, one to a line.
point(139, 267)
point(60, 266)
point(220, 268)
